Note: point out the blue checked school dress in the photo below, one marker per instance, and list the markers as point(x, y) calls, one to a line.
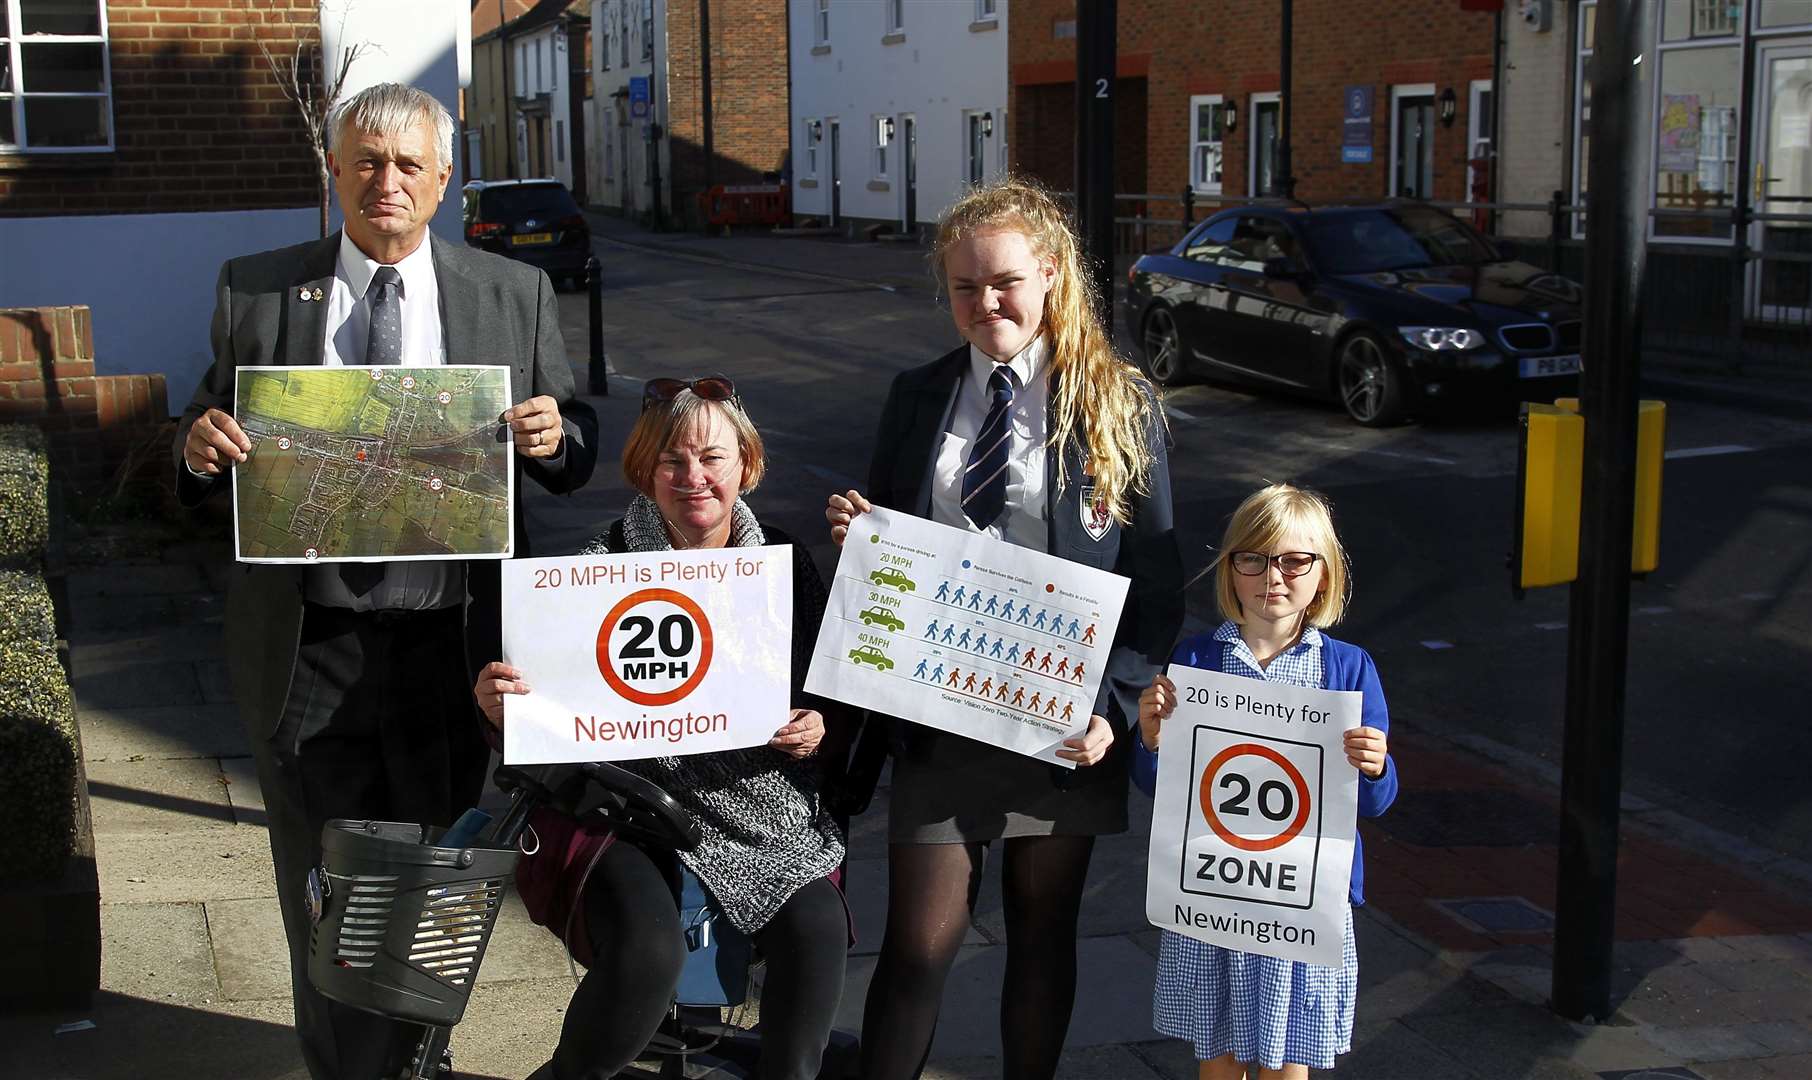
point(1260, 1009)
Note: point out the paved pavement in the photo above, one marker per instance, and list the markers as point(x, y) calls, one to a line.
point(1713, 966)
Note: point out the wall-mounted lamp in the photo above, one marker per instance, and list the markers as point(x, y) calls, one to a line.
point(987, 125)
point(1449, 107)
point(1230, 115)
point(817, 129)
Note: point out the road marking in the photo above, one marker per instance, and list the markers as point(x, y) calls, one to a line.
point(1437, 644)
point(1708, 451)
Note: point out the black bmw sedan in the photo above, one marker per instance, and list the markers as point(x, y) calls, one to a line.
point(1391, 309)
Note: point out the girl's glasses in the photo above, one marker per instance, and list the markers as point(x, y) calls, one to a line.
point(1290, 563)
point(710, 388)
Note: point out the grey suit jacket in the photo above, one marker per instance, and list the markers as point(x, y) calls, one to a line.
point(493, 311)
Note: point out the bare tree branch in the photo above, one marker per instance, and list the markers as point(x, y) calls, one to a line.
point(315, 111)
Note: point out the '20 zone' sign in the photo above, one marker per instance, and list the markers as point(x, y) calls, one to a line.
point(654, 646)
point(1256, 832)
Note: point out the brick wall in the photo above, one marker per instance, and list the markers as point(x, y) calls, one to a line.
point(1230, 47)
point(200, 122)
point(749, 106)
point(95, 422)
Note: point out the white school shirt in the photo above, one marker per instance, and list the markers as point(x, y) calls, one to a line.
point(416, 585)
point(1022, 520)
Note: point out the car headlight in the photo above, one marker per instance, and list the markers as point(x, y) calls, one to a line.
point(1438, 338)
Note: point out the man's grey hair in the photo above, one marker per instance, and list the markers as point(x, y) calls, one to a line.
point(391, 108)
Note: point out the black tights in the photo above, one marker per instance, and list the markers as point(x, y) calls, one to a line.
point(930, 896)
point(638, 949)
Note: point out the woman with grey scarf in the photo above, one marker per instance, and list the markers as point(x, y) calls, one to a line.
point(769, 846)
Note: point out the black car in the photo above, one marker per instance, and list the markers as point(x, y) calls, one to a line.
point(535, 221)
point(1389, 308)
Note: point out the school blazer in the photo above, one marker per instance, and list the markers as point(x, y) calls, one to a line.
point(913, 422)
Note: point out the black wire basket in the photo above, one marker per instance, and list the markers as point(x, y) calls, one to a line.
point(400, 926)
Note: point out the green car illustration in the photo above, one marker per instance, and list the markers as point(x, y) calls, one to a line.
point(873, 615)
point(893, 578)
point(868, 654)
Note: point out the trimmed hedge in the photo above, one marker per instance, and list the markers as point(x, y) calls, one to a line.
point(25, 493)
point(26, 613)
point(40, 747)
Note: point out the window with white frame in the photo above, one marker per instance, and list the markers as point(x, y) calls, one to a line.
point(894, 11)
point(602, 45)
point(55, 79)
point(821, 23)
point(1206, 133)
point(1481, 139)
point(522, 72)
point(813, 134)
point(647, 28)
point(883, 138)
point(987, 10)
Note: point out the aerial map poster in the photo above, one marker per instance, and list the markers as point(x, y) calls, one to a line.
point(367, 463)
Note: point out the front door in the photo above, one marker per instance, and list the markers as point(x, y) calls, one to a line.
point(1267, 118)
point(1412, 161)
point(909, 219)
point(1780, 287)
point(836, 173)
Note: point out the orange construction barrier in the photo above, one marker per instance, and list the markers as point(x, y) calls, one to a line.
point(745, 204)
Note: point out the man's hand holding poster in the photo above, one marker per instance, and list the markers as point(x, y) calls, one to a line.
point(1252, 824)
point(646, 655)
point(966, 633)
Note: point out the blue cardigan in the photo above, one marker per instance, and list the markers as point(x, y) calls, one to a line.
point(1344, 667)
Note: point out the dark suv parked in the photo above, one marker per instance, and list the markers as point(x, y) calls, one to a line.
point(535, 221)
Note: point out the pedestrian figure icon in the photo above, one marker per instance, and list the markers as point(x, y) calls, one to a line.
point(954, 675)
point(1051, 705)
point(958, 598)
point(975, 600)
point(1034, 705)
point(943, 590)
point(1062, 666)
point(949, 634)
point(920, 673)
point(1045, 664)
point(1019, 695)
point(1001, 694)
point(1038, 623)
point(1031, 657)
point(938, 674)
point(1006, 610)
point(1088, 636)
point(969, 683)
point(981, 643)
point(996, 651)
point(987, 687)
point(931, 631)
point(1075, 627)
point(1025, 614)
point(1069, 710)
point(963, 642)
point(991, 605)
point(1078, 672)
point(1013, 653)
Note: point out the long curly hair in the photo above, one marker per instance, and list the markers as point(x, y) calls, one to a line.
point(1100, 401)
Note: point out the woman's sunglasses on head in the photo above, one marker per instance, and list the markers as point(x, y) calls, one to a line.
point(710, 388)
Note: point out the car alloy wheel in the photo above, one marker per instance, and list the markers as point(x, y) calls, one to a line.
point(1163, 348)
point(1371, 391)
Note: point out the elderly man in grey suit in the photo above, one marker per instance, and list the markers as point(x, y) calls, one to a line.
point(354, 681)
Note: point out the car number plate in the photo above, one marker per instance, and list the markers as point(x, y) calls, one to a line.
point(533, 238)
point(1536, 367)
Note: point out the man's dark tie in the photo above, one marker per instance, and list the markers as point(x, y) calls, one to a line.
point(384, 347)
point(985, 476)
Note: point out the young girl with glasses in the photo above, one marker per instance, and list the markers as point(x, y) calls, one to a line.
point(1280, 579)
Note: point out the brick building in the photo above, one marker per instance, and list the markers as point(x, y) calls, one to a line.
point(144, 142)
point(706, 91)
point(1197, 95)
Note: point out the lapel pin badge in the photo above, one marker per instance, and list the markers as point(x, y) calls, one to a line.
point(317, 293)
point(302, 294)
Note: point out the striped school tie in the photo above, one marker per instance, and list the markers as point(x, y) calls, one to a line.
point(985, 476)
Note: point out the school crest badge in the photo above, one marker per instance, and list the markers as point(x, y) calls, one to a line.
point(1095, 518)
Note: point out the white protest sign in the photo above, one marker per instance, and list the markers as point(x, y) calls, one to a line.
point(1252, 825)
point(647, 654)
point(965, 633)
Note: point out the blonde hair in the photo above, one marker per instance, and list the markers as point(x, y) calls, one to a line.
point(664, 421)
point(1266, 517)
point(1100, 401)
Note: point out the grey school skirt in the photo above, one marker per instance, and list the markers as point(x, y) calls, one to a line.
point(948, 789)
